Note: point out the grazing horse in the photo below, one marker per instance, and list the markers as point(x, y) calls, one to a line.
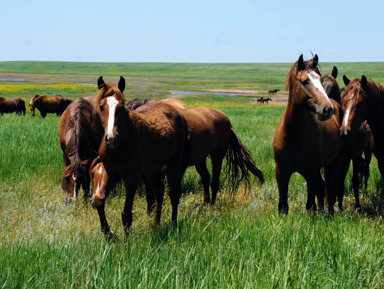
point(307, 137)
point(9, 105)
point(273, 91)
point(353, 147)
point(142, 142)
point(55, 104)
point(260, 100)
point(267, 100)
point(363, 99)
point(80, 132)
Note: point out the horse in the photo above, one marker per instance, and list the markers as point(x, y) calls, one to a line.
point(353, 147)
point(267, 100)
point(210, 133)
point(55, 104)
point(307, 137)
point(260, 100)
point(363, 99)
point(273, 91)
point(149, 141)
point(80, 133)
point(9, 105)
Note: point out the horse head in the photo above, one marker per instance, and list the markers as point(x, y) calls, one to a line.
point(331, 86)
point(355, 103)
point(99, 179)
point(72, 178)
point(304, 85)
point(110, 105)
point(32, 103)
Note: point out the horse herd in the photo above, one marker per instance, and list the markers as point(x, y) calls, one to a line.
point(45, 104)
point(105, 139)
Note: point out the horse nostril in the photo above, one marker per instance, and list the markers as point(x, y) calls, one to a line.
point(117, 138)
point(328, 111)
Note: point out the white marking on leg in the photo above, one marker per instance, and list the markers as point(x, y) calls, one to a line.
point(112, 103)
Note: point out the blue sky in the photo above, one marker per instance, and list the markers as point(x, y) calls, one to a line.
point(191, 31)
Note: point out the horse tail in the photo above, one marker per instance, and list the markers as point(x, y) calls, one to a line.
point(239, 164)
point(73, 147)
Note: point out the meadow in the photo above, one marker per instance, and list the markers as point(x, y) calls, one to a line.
point(241, 242)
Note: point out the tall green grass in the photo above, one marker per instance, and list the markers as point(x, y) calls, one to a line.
point(241, 242)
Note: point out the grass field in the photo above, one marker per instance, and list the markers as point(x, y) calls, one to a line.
point(241, 242)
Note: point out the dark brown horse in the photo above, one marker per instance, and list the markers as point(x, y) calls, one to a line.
point(273, 91)
point(363, 99)
point(353, 147)
point(307, 137)
point(80, 132)
point(55, 104)
point(140, 142)
point(9, 105)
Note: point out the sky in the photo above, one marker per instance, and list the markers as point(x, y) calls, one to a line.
point(209, 31)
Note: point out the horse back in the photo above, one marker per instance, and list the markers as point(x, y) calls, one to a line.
point(208, 131)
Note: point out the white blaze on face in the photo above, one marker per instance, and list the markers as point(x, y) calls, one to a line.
point(74, 187)
point(112, 103)
point(315, 79)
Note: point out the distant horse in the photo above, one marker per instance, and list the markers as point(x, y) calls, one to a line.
point(9, 105)
point(363, 99)
point(260, 100)
point(140, 142)
point(80, 132)
point(273, 91)
point(353, 147)
point(55, 104)
point(267, 100)
point(307, 137)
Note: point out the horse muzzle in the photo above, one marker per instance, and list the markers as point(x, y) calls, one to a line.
point(112, 141)
point(326, 113)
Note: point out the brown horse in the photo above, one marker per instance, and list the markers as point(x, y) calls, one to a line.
point(9, 105)
point(80, 132)
point(353, 147)
point(273, 91)
point(140, 142)
point(55, 104)
point(307, 137)
point(363, 99)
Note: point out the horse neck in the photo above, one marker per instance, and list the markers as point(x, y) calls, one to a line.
point(375, 116)
point(296, 114)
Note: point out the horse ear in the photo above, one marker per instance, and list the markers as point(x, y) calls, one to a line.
point(300, 63)
point(334, 72)
point(346, 80)
point(364, 82)
point(121, 84)
point(100, 83)
point(315, 61)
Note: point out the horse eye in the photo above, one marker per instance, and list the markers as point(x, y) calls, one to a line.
point(305, 82)
point(101, 108)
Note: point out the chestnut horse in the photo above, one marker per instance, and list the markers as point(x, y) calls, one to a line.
point(210, 133)
point(55, 104)
point(307, 137)
point(80, 132)
point(140, 142)
point(353, 147)
point(9, 105)
point(363, 99)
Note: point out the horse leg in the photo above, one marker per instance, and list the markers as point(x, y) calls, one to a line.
point(315, 188)
point(174, 177)
point(332, 177)
point(217, 160)
point(367, 161)
point(98, 202)
point(202, 170)
point(130, 183)
point(149, 196)
point(344, 166)
point(358, 167)
point(282, 178)
point(156, 184)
